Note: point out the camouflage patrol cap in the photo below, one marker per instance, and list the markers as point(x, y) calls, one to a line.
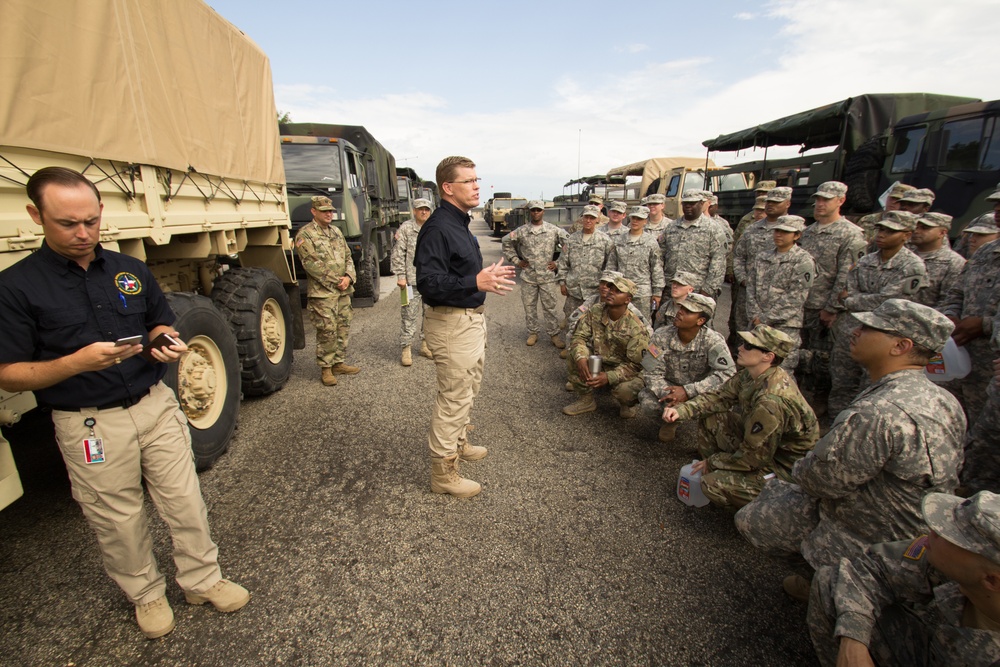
point(995, 195)
point(611, 276)
point(971, 523)
point(639, 212)
point(625, 285)
point(921, 324)
point(698, 303)
point(935, 220)
point(778, 194)
point(709, 196)
point(919, 196)
point(592, 211)
point(618, 206)
point(422, 203)
point(769, 339)
point(656, 199)
point(692, 195)
point(830, 190)
point(759, 202)
point(685, 278)
point(765, 186)
point(596, 199)
point(536, 203)
point(790, 223)
point(898, 221)
point(984, 224)
point(321, 203)
point(900, 189)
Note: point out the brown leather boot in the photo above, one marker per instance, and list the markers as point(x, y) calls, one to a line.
point(470, 452)
point(445, 479)
point(425, 351)
point(327, 377)
point(344, 369)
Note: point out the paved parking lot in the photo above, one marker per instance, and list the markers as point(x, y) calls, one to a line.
point(576, 553)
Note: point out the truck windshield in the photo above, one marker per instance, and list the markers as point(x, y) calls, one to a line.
point(312, 163)
point(510, 203)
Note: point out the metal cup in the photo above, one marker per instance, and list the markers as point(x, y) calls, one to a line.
point(594, 364)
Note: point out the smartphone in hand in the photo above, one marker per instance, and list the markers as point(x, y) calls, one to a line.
point(160, 342)
point(129, 340)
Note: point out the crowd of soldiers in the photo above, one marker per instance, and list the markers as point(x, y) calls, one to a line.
point(826, 435)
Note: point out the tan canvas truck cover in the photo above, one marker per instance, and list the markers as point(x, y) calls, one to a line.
point(142, 81)
point(656, 167)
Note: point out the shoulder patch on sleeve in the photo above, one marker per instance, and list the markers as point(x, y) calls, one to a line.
point(722, 361)
point(757, 427)
point(299, 240)
point(916, 549)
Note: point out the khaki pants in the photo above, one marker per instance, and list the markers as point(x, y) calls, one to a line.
point(150, 441)
point(457, 339)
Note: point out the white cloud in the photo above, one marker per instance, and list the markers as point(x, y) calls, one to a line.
point(632, 48)
point(743, 16)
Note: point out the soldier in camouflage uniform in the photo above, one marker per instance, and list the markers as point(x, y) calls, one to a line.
point(584, 255)
point(594, 200)
point(755, 213)
point(778, 284)
point(943, 264)
point(619, 338)
point(755, 424)
point(534, 248)
point(925, 601)
point(984, 231)
point(695, 244)
point(971, 304)
point(862, 483)
point(685, 359)
point(637, 257)
point(981, 469)
point(917, 201)
point(681, 285)
point(406, 275)
point(327, 260)
point(755, 241)
point(738, 293)
point(616, 223)
point(607, 277)
point(867, 223)
point(835, 245)
point(893, 271)
point(657, 222)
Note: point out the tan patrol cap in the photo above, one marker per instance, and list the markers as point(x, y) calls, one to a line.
point(596, 199)
point(765, 186)
point(625, 285)
point(685, 278)
point(536, 203)
point(935, 220)
point(758, 203)
point(790, 223)
point(618, 206)
point(656, 199)
point(898, 221)
point(639, 212)
point(592, 211)
point(921, 196)
point(830, 190)
point(321, 203)
point(769, 339)
point(698, 303)
point(692, 195)
point(900, 189)
point(422, 203)
point(779, 194)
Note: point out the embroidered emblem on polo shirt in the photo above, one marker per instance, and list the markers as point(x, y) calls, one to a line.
point(127, 283)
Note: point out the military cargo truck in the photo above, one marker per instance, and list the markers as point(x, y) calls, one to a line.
point(671, 176)
point(169, 110)
point(855, 130)
point(496, 209)
point(348, 165)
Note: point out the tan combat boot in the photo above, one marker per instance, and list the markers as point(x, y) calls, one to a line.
point(406, 358)
point(445, 479)
point(585, 403)
point(797, 587)
point(667, 432)
point(344, 369)
point(155, 618)
point(627, 411)
point(328, 378)
point(563, 353)
point(532, 339)
point(425, 351)
point(558, 342)
point(470, 452)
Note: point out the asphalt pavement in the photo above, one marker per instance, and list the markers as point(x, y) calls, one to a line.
point(577, 552)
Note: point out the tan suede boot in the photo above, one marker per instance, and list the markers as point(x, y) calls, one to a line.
point(532, 339)
point(558, 341)
point(344, 369)
point(667, 432)
point(585, 403)
point(406, 358)
point(445, 479)
point(327, 377)
point(425, 351)
point(470, 452)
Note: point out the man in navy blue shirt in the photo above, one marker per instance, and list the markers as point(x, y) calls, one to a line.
point(66, 310)
point(453, 283)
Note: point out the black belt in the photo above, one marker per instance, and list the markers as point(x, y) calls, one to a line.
point(123, 403)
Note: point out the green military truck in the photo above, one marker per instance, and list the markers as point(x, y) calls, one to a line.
point(169, 110)
point(348, 165)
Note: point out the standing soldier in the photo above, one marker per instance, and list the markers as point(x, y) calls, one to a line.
point(637, 257)
point(754, 242)
point(778, 285)
point(752, 216)
point(406, 276)
point(657, 222)
point(867, 223)
point(584, 255)
point(616, 215)
point(534, 248)
point(943, 264)
point(327, 260)
point(917, 201)
point(893, 271)
point(835, 245)
point(695, 244)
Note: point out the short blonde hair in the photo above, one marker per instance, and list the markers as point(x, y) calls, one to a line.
point(447, 168)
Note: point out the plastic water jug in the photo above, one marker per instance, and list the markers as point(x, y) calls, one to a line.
point(952, 364)
point(689, 487)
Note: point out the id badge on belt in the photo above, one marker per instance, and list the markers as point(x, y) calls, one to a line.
point(93, 447)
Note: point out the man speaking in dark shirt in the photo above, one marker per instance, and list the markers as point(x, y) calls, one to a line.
point(453, 283)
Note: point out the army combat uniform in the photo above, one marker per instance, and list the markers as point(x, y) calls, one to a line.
point(620, 345)
point(772, 428)
point(402, 265)
point(699, 366)
point(538, 245)
point(862, 483)
point(943, 266)
point(755, 241)
point(581, 262)
point(698, 247)
point(638, 259)
point(326, 258)
point(778, 284)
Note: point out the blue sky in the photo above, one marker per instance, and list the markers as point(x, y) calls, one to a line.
point(535, 91)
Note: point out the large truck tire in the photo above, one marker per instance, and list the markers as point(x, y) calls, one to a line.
point(367, 286)
point(385, 265)
point(207, 377)
point(862, 172)
point(260, 316)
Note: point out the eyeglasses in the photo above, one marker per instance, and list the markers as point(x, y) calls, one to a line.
point(750, 347)
point(467, 181)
